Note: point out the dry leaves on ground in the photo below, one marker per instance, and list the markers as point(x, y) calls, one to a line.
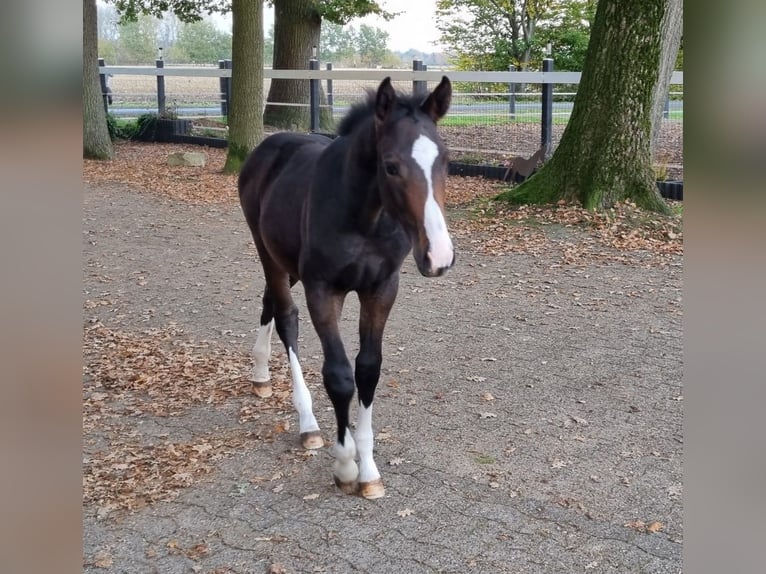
point(490, 227)
point(580, 235)
point(159, 373)
point(145, 167)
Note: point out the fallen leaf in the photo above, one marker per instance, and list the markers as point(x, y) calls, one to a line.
point(654, 526)
point(487, 397)
point(405, 512)
point(198, 551)
point(103, 559)
point(202, 448)
point(276, 568)
point(396, 461)
point(487, 416)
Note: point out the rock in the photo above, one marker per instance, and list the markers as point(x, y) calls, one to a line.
point(188, 158)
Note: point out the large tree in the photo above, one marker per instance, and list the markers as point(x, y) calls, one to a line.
point(605, 151)
point(297, 28)
point(245, 119)
point(95, 135)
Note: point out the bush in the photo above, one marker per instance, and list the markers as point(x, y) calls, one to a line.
point(146, 127)
point(120, 129)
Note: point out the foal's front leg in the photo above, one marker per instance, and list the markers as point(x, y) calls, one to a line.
point(325, 307)
point(374, 310)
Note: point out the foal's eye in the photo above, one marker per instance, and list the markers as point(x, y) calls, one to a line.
point(392, 168)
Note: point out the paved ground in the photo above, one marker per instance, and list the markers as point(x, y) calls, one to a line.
point(529, 413)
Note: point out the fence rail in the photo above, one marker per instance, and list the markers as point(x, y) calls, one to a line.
point(492, 112)
point(362, 74)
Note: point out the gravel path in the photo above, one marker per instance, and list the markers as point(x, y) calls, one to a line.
point(529, 414)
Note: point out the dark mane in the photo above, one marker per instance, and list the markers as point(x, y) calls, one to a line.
point(406, 104)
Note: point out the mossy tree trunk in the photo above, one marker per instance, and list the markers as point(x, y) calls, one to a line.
point(605, 151)
point(96, 143)
point(672, 30)
point(297, 27)
point(245, 115)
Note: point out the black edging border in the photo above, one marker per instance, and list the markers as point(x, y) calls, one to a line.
point(668, 189)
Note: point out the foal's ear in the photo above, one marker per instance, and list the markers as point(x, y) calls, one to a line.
point(437, 103)
point(384, 100)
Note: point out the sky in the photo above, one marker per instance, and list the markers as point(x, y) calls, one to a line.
point(414, 28)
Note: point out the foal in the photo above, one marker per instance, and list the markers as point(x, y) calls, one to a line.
point(341, 215)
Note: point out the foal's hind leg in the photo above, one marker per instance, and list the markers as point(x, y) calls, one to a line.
point(286, 322)
point(260, 376)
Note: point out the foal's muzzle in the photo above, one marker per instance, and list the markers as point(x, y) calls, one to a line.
point(427, 269)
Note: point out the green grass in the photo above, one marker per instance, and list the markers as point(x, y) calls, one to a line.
point(461, 120)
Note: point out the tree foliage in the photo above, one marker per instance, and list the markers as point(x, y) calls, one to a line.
point(137, 41)
point(186, 10)
point(366, 46)
point(202, 43)
point(568, 33)
point(494, 34)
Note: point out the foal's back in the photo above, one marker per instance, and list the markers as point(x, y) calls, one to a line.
point(273, 185)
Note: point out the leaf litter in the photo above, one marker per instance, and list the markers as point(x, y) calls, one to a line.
point(579, 235)
point(160, 373)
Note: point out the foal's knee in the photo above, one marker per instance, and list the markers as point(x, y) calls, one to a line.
point(339, 382)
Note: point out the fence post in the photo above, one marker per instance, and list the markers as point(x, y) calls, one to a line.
point(512, 93)
point(160, 63)
point(329, 87)
point(223, 87)
point(547, 111)
point(102, 79)
point(666, 109)
point(227, 82)
point(419, 87)
point(314, 97)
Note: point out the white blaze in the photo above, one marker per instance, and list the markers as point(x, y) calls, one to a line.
point(424, 152)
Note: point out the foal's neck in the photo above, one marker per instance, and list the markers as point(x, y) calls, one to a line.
point(360, 176)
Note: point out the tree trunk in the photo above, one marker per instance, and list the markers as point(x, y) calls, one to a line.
point(297, 27)
point(245, 118)
point(605, 152)
point(96, 143)
point(672, 28)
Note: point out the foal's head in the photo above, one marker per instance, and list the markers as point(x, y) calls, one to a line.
point(412, 170)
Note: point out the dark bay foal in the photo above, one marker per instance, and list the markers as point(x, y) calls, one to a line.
point(341, 215)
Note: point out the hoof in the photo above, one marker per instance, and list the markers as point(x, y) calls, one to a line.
point(262, 390)
point(311, 440)
point(372, 490)
point(346, 487)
